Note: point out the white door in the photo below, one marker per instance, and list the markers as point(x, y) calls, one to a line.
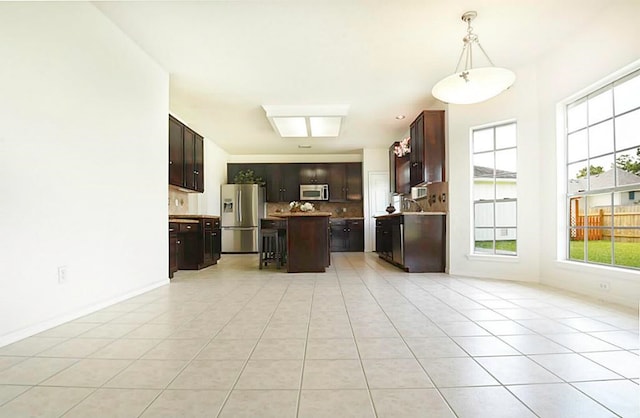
point(378, 201)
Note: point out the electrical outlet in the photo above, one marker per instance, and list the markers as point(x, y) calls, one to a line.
point(605, 287)
point(62, 274)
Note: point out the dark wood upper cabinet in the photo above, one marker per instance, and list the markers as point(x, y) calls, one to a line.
point(354, 181)
point(198, 163)
point(289, 182)
point(427, 148)
point(189, 158)
point(399, 171)
point(314, 173)
point(337, 182)
point(176, 153)
point(282, 182)
point(345, 182)
point(186, 157)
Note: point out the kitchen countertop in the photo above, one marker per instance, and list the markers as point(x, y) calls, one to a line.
point(348, 218)
point(410, 214)
point(184, 221)
point(298, 214)
point(194, 217)
point(272, 218)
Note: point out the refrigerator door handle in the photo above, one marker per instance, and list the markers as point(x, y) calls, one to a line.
point(236, 210)
point(240, 206)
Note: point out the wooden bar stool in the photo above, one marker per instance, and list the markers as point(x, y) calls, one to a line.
point(269, 251)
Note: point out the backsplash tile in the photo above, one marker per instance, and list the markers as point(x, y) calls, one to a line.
point(179, 203)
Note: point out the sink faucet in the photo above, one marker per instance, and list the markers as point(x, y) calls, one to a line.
point(407, 200)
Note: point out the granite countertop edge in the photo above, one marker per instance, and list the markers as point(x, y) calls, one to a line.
point(174, 217)
point(298, 214)
point(391, 215)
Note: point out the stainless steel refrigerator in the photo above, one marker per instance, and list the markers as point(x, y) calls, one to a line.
point(242, 207)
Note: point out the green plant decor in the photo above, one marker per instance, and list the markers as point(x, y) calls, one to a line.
point(247, 177)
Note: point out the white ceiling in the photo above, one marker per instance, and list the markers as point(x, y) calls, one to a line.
point(381, 57)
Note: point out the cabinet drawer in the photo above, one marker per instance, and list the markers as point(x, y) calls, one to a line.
point(189, 228)
point(211, 223)
point(273, 224)
point(173, 228)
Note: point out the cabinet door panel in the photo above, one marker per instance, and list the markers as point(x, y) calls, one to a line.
point(290, 183)
point(417, 150)
point(356, 235)
point(176, 153)
point(434, 146)
point(337, 182)
point(307, 173)
point(198, 163)
point(273, 184)
point(393, 188)
point(189, 159)
point(339, 237)
point(354, 181)
point(397, 241)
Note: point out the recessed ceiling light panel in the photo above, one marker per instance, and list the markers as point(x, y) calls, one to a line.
point(304, 121)
point(294, 127)
point(325, 126)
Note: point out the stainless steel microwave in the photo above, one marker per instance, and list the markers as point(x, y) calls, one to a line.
point(314, 192)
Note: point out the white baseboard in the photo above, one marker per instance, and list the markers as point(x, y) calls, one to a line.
point(51, 323)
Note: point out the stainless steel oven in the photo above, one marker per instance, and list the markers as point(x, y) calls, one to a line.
point(314, 192)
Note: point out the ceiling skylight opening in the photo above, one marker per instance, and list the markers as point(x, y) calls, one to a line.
point(306, 121)
point(291, 127)
point(325, 126)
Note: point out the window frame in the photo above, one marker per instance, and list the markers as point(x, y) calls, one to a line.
point(584, 195)
point(494, 252)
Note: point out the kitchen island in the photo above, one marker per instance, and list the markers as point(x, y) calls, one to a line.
point(413, 241)
point(307, 241)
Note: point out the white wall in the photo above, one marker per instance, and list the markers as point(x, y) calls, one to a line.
point(83, 174)
point(215, 172)
point(519, 104)
point(373, 159)
point(605, 46)
point(609, 44)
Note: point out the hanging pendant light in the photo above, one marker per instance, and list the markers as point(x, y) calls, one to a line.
point(472, 85)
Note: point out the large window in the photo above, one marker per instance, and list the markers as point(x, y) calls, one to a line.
point(603, 175)
point(495, 206)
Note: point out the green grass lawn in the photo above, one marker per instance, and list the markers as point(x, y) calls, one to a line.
point(509, 246)
point(626, 253)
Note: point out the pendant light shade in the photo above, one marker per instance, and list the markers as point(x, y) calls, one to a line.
point(472, 85)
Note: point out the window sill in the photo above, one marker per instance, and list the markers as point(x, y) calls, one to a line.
point(494, 258)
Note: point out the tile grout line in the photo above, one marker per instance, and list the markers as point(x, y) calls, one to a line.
point(242, 369)
point(304, 355)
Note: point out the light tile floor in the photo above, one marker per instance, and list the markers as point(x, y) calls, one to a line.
point(363, 339)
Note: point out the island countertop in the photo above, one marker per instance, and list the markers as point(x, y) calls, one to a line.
point(173, 217)
point(391, 215)
point(298, 214)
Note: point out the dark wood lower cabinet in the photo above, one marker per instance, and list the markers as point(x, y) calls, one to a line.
point(347, 235)
point(211, 245)
point(307, 244)
point(416, 243)
point(194, 243)
point(173, 248)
